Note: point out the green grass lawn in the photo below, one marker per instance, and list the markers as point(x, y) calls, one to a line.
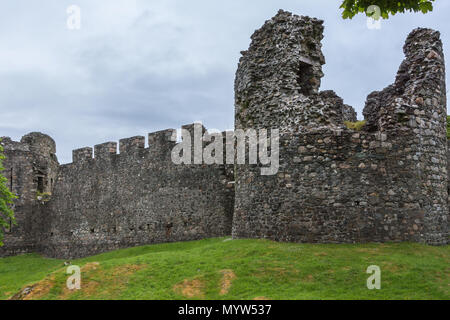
point(238, 269)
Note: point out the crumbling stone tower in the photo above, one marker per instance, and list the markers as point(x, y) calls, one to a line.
point(31, 169)
point(278, 79)
point(387, 182)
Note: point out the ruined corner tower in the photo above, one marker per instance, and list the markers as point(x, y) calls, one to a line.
point(32, 170)
point(387, 182)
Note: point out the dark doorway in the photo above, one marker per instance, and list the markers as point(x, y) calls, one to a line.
point(40, 186)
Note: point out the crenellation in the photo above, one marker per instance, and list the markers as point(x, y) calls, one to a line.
point(160, 138)
point(194, 128)
point(162, 142)
point(105, 150)
point(82, 154)
point(133, 144)
point(196, 131)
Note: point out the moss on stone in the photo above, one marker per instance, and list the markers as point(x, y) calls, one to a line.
point(357, 126)
point(43, 196)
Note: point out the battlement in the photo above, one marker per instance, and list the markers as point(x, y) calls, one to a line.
point(160, 143)
point(193, 128)
point(105, 150)
point(82, 154)
point(133, 144)
point(162, 139)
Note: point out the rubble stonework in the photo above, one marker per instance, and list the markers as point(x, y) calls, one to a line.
point(386, 182)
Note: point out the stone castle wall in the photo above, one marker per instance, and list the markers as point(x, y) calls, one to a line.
point(113, 201)
point(385, 182)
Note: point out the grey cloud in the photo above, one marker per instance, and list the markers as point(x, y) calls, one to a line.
point(140, 66)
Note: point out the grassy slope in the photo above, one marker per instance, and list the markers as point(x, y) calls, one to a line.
point(247, 269)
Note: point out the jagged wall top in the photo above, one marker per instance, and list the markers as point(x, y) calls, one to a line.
point(419, 88)
point(278, 78)
point(36, 142)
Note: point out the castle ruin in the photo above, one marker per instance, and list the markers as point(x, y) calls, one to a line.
point(385, 182)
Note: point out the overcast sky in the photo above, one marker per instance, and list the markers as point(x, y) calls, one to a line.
point(138, 66)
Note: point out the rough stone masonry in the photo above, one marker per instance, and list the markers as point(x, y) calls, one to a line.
point(386, 182)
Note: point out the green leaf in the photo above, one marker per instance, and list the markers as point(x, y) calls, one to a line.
point(388, 7)
point(426, 7)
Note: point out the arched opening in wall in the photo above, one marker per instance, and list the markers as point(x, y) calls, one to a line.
point(11, 181)
point(305, 78)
